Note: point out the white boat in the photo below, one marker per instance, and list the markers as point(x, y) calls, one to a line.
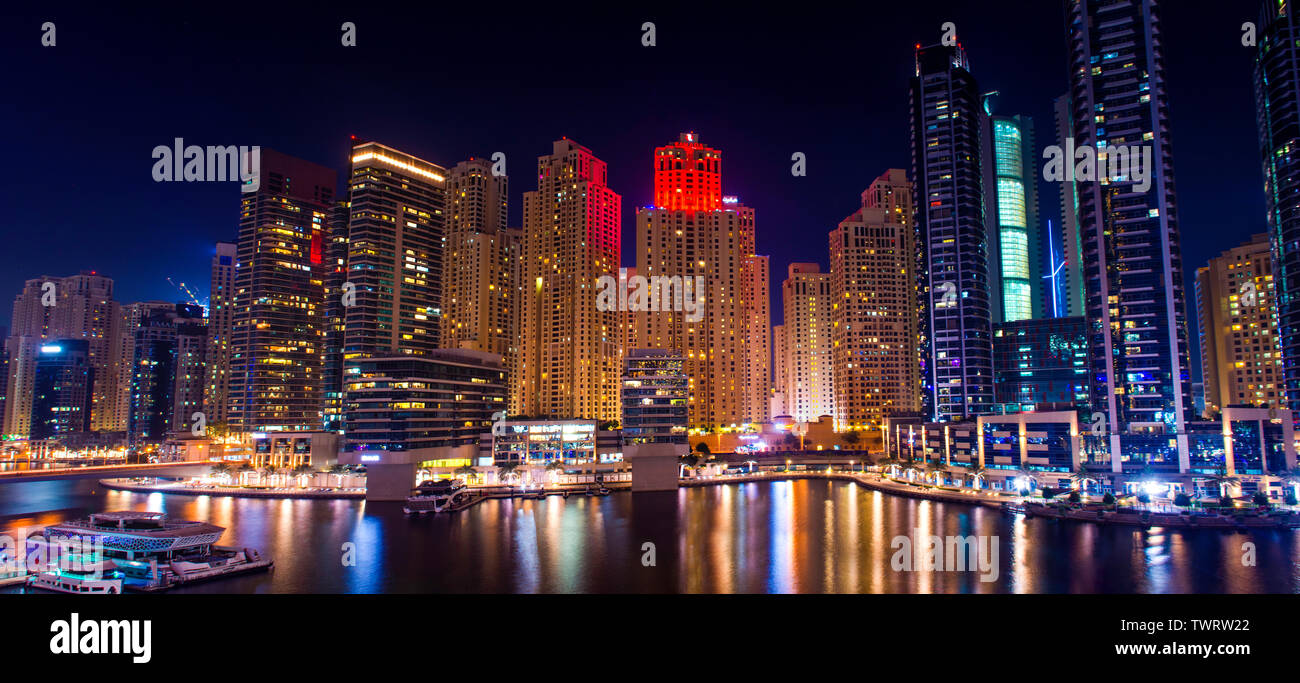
point(100, 577)
point(435, 496)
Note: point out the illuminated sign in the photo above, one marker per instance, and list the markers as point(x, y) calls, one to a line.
point(369, 458)
point(51, 349)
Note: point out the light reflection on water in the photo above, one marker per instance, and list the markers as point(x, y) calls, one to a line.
point(806, 536)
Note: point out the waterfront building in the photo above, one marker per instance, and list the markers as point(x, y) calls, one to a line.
point(63, 389)
point(483, 291)
point(1066, 242)
point(440, 400)
point(79, 307)
point(1236, 306)
point(570, 358)
point(874, 308)
point(396, 240)
point(955, 284)
point(1277, 99)
point(538, 443)
point(278, 318)
point(1041, 365)
point(336, 275)
point(1132, 267)
point(221, 321)
point(168, 373)
point(1011, 196)
point(780, 377)
point(806, 298)
point(654, 396)
point(695, 233)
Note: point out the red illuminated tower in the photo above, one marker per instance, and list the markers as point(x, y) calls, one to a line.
point(688, 176)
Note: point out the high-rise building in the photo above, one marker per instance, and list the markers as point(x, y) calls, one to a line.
point(1064, 243)
point(1277, 106)
point(75, 307)
point(873, 307)
point(132, 317)
point(1132, 268)
point(698, 235)
point(807, 302)
point(278, 320)
point(1042, 365)
point(654, 397)
point(952, 240)
point(221, 320)
point(780, 377)
point(62, 389)
point(570, 359)
point(1236, 305)
point(481, 299)
point(396, 238)
point(1011, 212)
point(336, 274)
point(168, 372)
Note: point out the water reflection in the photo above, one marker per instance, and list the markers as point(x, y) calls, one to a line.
point(809, 536)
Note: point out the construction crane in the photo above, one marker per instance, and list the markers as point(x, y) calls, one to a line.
point(194, 299)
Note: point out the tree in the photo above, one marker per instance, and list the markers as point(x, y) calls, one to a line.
point(1029, 477)
point(1182, 500)
point(1074, 497)
point(937, 470)
point(851, 437)
point(1108, 499)
point(1223, 480)
point(1260, 498)
point(1048, 492)
point(702, 447)
point(975, 473)
point(468, 471)
point(221, 468)
point(608, 425)
point(508, 471)
point(1082, 477)
point(791, 441)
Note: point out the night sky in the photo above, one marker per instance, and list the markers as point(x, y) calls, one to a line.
point(446, 83)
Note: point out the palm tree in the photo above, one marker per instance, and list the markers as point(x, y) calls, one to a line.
point(466, 471)
point(268, 470)
point(851, 437)
point(1223, 480)
point(1082, 476)
point(935, 469)
point(887, 463)
point(1028, 474)
point(508, 470)
point(221, 468)
point(975, 472)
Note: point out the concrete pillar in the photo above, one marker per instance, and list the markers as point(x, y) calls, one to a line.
point(389, 481)
point(654, 465)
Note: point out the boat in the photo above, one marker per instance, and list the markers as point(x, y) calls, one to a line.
point(141, 551)
point(435, 496)
point(12, 572)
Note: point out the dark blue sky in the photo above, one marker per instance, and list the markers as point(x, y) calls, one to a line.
point(448, 83)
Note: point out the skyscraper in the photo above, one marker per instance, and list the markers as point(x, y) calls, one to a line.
point(1011, 197)
point(220, 327)
point(1277, 101)
point(570, 363)
point(1065, 239)
point(807, 302)
point(952, 242)
point(396, 233)
point(336, 274)
point(168, 375)
point(278, 318)
point(1236, 305)
point(75, 307)
point(698, 233)
point(1132, 270)
point(873, 307)
point(481, 300)
point(62, 389)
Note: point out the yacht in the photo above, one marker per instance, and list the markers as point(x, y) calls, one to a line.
point(436, 496)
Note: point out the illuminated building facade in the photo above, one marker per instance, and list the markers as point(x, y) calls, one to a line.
point(1042, 365)
point(707, 235)
point(481, 300)
point(336, 264)
point(221, 308)
point(396, 233)
point(1236, 305)
point(82, 308)
point(276, 345)
point(1011, 194)
point(654, 397)
point(62, 389)
point(780, 377)
point(570, 359)
point(952, 241)
point(1065, 241)
point(807, 302)
point(1277, 103)
point(442, 399)
point(168, 372)
point(1132, 268)
point(536, 443)
point(873, 307)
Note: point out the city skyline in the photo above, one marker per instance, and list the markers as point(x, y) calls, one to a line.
point(758, 146)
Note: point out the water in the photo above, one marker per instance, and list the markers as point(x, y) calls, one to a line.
point(808, 536)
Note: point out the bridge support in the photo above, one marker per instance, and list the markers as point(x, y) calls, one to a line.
point(655, 466)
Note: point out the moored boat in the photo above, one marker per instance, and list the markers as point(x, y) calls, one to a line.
point(435, 496)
